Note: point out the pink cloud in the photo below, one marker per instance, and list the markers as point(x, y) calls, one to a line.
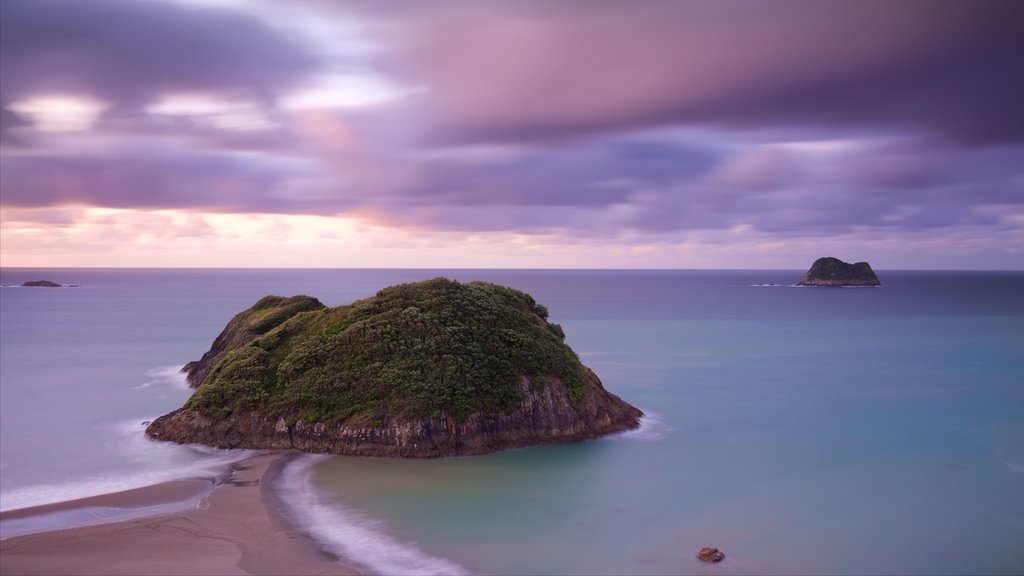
point(543, 70)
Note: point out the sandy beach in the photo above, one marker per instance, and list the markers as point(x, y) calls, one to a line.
point(229, 526)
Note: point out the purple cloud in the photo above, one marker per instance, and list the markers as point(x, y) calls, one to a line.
point(542, 71)
point(785, 119)
point(126, 53)
point(151, 180)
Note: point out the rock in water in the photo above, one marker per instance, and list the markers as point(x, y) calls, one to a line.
point(41, 284)
point(835, 272)
point(708, 554)
point(434, 368)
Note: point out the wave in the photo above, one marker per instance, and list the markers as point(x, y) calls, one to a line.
point(145, 462)
point(169, 376)
point(652, 427)
point(349, 534)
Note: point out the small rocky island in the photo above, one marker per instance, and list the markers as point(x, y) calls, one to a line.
point(835, 272)
point(428, 369)
point(709, 554)
point(41, 284)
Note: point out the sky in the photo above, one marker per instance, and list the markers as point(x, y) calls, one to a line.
point(526, 134)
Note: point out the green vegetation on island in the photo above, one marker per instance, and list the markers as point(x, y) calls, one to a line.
point(266, 314)
point(428, 369)
point(427, 349)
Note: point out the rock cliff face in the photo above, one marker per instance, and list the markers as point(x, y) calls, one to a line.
point(436, 368)
point(835, 272)
point(545, 416)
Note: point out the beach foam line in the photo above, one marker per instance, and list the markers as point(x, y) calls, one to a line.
point(143, 502)
point(147, 462)
point(350, 535)
point(232, 529)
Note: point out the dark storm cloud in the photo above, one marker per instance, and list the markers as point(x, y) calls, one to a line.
point(127, 52)
point(535, 71)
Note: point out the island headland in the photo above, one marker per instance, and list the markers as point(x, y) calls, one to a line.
point(427, 369)
point(834, 272)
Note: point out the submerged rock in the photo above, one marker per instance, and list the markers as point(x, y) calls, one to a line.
point(41, 284)
point(835, 272)
point(435, 368)
point(708, 554)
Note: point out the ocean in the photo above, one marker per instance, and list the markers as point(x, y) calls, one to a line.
point(799, 430)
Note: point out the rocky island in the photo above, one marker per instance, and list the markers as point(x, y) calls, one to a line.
point(41, 284)
point(428, 369)
point(835, 272)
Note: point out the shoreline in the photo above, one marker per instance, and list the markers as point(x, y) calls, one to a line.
point(151, 500)
point(228, 525)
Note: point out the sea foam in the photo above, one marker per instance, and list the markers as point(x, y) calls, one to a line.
point(145, 462)
point(165, 376)
point(652, 427)
point(349, 534)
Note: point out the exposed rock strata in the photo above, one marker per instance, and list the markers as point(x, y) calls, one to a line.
point(545, 416)
point(835, 272)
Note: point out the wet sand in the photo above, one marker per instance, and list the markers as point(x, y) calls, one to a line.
point(225, 527)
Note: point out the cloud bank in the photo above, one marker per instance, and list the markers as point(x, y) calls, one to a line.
point(654, 126)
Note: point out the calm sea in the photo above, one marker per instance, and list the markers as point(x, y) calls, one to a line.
point(800, 430)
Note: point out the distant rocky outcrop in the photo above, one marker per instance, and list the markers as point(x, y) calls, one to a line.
point(835, 272)
point(708, 554)
point(41, 284)
point(434, 368)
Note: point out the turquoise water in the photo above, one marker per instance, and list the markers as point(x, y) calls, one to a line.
point(800, 430)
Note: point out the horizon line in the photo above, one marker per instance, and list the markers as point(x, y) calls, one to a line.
point(547, 268)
